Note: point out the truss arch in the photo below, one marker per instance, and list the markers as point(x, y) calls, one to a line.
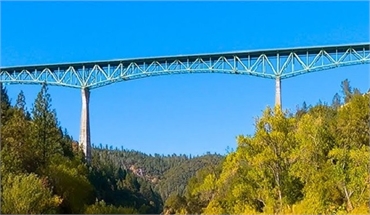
point(274, 63)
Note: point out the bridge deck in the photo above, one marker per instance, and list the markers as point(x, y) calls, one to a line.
point(192, 57)
point(269, 63)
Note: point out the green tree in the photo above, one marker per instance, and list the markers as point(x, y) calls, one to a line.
point(315, 139)
point(5, 105)
point(202, 188)
point(270, 151)
point(336, 103)
point(66, 143)
point(69, 180)
point(21, 105)
point(102, 208)
point(346, 90)
point(256, 177)
point(175, 204)
point(349, 156)
point(17, 155)
point(27, 194)
point(46, 136)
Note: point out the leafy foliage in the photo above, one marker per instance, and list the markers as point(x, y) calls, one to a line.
point(38, 158)
point(315, 161)
point(102, 208)
point(27, 194)
point(312, 161)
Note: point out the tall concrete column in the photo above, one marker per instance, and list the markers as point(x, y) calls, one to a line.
point(85, 125)
point(278, 92)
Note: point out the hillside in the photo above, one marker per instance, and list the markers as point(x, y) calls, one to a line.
point(314, 160)
point(167, 174)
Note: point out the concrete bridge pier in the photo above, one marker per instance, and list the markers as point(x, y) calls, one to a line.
point(85, 125)
point(278, 92)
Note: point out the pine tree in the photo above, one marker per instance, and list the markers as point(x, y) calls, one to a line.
point(46, 135)
point(5, 111)
point(346, 90)
point(21, 105)
point(336, 103)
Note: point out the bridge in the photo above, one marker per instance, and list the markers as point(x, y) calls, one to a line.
point(274, 64)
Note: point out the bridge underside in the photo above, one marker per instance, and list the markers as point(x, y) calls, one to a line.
point(274, 64)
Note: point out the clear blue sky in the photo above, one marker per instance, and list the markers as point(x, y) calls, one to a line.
point(189, 114)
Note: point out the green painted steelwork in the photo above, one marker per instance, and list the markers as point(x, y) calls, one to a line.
point(275, 63)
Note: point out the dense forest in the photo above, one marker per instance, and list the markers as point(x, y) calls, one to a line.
point(167, 175)
point(44, 171)
point(315, 160)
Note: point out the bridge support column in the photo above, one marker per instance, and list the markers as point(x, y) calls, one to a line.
point(85, 125)
point(278, 92)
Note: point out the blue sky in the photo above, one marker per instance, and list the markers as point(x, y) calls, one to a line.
point(188, 114)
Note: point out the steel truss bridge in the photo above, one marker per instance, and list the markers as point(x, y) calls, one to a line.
point(275, 64)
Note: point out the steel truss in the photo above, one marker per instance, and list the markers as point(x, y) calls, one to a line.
point(280, 63)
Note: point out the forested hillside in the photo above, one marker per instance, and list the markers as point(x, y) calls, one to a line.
point(166, 174)
point(44, 171)
point(312, 161)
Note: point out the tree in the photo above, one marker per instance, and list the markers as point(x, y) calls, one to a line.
point(350, 164)
point(175, 204)
point(16, 136)
point(5, 105)
point(21, 105)
point(310, 158)
point(46, 136)
point(27, 194)
point(269, 155)
point(256, 177)
point(69, 180)
point(336, 103)
point(100, 207)
point(66, 143)
point(346, 90)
